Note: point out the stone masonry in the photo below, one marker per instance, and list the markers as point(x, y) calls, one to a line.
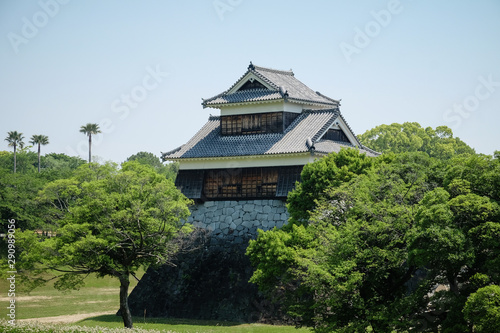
point(238, 221)
point(211, 282)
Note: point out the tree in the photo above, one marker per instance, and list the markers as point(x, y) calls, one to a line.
point(15, 139)
point(39, 140)
point(482, 309)
point(331, 170)
point(18, 199)
point(59, 166)
point(88, 130)
point(344, 270)
point(113, 221)
point(376, 247)
point(170, 170)
point(411, 137)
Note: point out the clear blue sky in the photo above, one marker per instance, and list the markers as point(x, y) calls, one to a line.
point(68, 63)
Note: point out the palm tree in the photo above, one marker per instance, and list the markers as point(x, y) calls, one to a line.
point(14, 139)
point(39, 140)
point(90, 129)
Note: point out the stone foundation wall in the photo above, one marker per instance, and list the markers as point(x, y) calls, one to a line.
point(211, 282)
point(237, 221)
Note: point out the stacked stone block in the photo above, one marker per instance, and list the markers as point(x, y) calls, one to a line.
point(238, 221)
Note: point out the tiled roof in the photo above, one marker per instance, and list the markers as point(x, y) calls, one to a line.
point(244, 96)
point(302, 135)
point(284, 86)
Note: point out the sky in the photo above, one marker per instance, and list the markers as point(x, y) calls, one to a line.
point(141, 68)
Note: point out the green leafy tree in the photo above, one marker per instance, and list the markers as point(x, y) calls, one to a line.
point(411, 137)
point(39, 140)
point(482, 310)
point(170, 170)
point(59, 166)
point(344, 270)
point(399, 247)
point(15, 139)
point(112, 222)
point(331, 170)
point(89, 130)
point(18, 198)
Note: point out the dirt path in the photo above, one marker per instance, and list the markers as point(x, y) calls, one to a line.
point(68, 319)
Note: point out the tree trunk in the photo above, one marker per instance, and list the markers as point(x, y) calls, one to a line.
point(124, 309)
point(90, 148)
point(15, 162)
point(38, 158)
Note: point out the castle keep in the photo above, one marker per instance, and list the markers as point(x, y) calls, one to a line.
point(241, 164)
point(239, 168)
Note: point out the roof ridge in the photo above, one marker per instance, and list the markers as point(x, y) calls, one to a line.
point(321, 110)
point(272, 70)
point(329, 98)
point(252, 90)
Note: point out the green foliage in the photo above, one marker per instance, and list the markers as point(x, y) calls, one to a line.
point(170, 170)
point(58, 166)
point(112, 221)
point(18, 198)
point(379, 242)
point(411, 137)
point(316, 177)
point(482, 310)
point(18, 192)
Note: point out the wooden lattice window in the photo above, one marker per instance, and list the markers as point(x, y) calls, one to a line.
point(255, 123)
point(248, 183)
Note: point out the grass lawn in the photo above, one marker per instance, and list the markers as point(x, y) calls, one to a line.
point(98, 295)
point(101, 295)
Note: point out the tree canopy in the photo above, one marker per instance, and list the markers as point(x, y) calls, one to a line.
point(111, 222)
point(411, 137)
point(331, 170)
point(169, 170)
point(400, 246)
